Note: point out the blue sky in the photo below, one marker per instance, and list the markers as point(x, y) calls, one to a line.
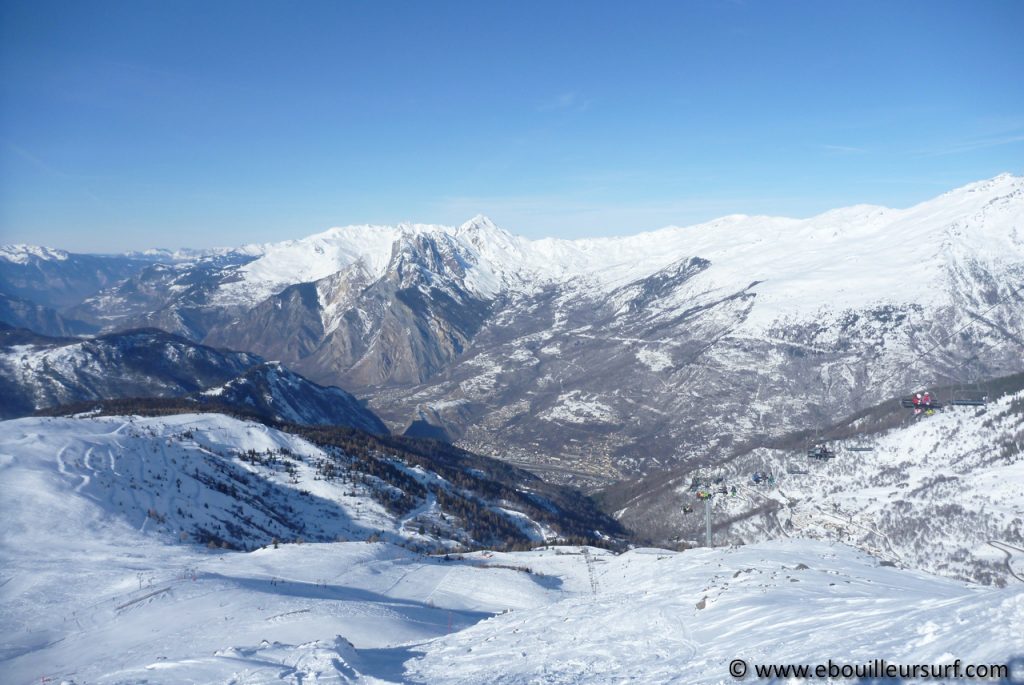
point(127, 125)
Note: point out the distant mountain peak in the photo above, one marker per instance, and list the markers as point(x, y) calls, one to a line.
point(23, 254)
point(999, 185)
point(478, 222)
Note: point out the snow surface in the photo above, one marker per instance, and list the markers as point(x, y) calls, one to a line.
point(576, 407)
point(95, 593)
point(138, 362)
point(654, 359)
point(169, 474)
point(291, 398)
point(933, 495)
point(24, 254)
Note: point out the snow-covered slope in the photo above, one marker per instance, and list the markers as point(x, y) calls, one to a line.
point(115, 607)
point(208, 477)
point(943, 493)
point(659, 617)
point(934, 495)
point(274, 392)
point(106, 518)
point(38, 372)
point(202, 478)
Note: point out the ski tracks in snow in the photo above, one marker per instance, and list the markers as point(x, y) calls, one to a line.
point(64, 470)
point(113, 460)
point(61, 465)
point(87, 463)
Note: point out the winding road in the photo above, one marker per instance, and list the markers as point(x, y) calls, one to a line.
point(1010, 551)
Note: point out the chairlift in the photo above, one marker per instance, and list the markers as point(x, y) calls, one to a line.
point(821, 452)
point(969, 397)
point(921, 402)
point(969, 394)
point(860, 446)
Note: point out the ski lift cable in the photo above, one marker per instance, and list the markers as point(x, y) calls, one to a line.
point(974, 320)
point(936, 344)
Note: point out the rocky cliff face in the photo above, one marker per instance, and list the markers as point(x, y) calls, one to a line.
point(403, 327)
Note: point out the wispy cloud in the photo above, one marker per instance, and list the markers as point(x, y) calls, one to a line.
point(42, 165)
point(568, 101)
point(845, 149)
point(969, 145)
point(34, 160)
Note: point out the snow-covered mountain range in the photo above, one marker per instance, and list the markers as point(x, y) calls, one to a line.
point(602, 358)
point(39, 372)
point(200, 514)
point(855, 257)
